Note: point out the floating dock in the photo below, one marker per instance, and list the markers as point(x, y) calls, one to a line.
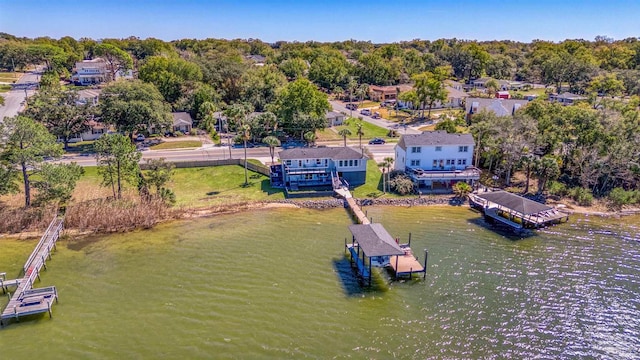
point(26, 300)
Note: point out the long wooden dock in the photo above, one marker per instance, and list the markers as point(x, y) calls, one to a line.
point(25, 299)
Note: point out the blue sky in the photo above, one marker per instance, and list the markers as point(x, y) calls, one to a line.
point(329, 20)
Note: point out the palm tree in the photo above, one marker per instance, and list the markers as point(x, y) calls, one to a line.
point(338, 91)
point(382, 166)
point(344, 133)
point(360, 133)
point(362, 91)
point(388, 161)
point(310, 137)
point(272, 142)
point(207, 110)
point(461, 189)
point(246, 135)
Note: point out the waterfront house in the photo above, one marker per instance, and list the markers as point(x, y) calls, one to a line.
point(436, 160)
point(303, 167)
point(334, 118)
point(182, 122)
point(566, 98)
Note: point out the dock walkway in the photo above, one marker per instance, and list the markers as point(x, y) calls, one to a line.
point(25, 299)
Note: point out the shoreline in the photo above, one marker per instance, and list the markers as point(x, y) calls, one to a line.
point(317, 204)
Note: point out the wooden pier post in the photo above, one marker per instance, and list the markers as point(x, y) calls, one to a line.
point(426, 255)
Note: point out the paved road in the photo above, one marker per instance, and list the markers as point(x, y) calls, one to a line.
point(339, 106)
point(14, 99)
point(379, 152)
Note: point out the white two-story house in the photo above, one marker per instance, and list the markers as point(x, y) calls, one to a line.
point(89, 72)
point(436, 160)
point(300, 167)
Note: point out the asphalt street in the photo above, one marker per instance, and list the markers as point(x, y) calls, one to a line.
point(339, 106)
point(210, 152)
point(14, 99)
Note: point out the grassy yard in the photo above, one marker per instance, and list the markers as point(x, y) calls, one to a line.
point(177, 145)
point(390, 114)
point(9, 77)
point(194, 187)
point(5, 88)
point(540, 92)
point(83, 147)
point(219, 185)
point(370, 131)
point(372, 188)
point(367, 104)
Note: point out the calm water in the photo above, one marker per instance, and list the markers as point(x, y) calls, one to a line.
point(274, 284)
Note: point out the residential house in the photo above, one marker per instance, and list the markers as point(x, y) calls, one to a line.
point(566, 98)
point(455, 99)
point(500, 107)
point(334, 118)
point(256, 60)
point(182, 122)
point(90, 96)
point(382, 93)
point(90, 72)
point(503, 85)
point(300, 167)
point(436, 160)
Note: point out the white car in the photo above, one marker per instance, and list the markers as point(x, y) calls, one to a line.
point(365, 112)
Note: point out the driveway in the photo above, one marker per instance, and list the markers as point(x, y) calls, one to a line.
point(339, 106)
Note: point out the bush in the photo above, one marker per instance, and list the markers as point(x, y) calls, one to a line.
point(401, 183)
point(193, 132)
point(179, 133)
point(392, 133)
point(582, 196)
point(558, 189)
point(620, 197)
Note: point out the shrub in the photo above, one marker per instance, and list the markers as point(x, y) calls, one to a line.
point(179, 133)
point(392, 133)
point(193, 132)
point(620, 197)
point(558, 189)
point(401, 183)
point(582, 196)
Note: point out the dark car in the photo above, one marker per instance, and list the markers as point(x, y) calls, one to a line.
point(376, 141)
point(352, 106)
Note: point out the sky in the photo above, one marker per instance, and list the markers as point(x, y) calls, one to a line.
point(328, 20)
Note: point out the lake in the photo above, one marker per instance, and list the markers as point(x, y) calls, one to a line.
point(273, 284)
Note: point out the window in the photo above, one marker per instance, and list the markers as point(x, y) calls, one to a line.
point(308, 176)
point(318, 162)
point(459, 161)
point(355, 162)
point(435, 163)
point(463, 149)
point(464, 161)
point(350, 162)
point(299, 163)
point(415, 162)
point(438, 148)
point(340, 163)
point(288, 162)
point(326, 162)
point(416, 149)
point(448, 162)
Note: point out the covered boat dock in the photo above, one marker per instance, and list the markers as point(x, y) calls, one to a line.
point(372, 246)
point(515, 211)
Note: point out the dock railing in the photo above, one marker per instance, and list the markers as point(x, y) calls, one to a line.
point(42, 240)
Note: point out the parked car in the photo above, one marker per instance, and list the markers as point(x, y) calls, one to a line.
point(377, 141)
point(376, 115)
point(352, 106)
point(365, 112)
point(140, 137)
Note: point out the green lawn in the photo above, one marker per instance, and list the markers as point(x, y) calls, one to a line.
point(177, 145)
point(370, 131)
point(84, 147)
point(368, 104)
point(195, 187)
point(4, 87)
point(372, 188)
point(219, 185)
